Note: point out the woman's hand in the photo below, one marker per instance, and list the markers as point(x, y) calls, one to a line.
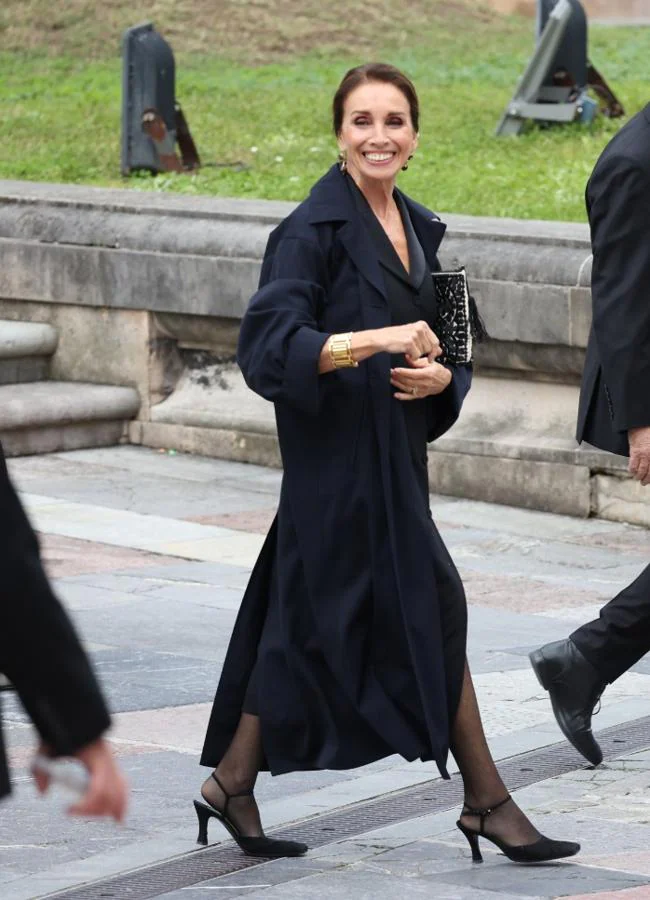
point(423, 379)
point(413, 340)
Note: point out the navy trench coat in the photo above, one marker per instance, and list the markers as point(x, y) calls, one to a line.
point(354, 617)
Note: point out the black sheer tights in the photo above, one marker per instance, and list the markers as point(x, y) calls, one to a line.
point(483, 785)
point(238, 771)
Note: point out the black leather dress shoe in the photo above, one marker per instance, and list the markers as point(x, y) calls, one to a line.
point(574, 687)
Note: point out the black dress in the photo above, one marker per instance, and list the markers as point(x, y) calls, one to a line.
point(411, 297)
point(350, 639)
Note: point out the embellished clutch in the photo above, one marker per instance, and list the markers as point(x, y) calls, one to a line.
point(458, 324)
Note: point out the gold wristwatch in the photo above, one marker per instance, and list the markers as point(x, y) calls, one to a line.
point(340, 348)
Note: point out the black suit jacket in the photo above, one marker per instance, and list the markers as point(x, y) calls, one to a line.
point(39, 649)
point(615, 395)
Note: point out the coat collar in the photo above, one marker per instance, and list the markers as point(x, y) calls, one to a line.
point(647, 113)
point(331, 200)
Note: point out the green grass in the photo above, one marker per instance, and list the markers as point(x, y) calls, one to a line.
point(61, 121)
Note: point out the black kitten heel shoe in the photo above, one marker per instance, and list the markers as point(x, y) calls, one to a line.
point(542, 850)
point(252, 846)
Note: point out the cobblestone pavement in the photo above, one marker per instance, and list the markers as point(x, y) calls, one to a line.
point(151, 551)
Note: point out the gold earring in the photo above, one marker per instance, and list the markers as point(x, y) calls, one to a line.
point(343, 160)
point(406, 165)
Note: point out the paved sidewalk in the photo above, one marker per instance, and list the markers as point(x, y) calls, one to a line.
point(151, 552)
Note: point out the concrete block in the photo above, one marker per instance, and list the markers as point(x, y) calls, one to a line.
point(621, 499)
point(551, 487)
point(529, 360)
point(56, 438)
point(241, 446)
point(212, 394)
point(515, 411)
point(514, 311)
point(531, 258)
point(213, 333)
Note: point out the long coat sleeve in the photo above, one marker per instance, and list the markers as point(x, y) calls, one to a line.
point(39, 648)
point(280, 339)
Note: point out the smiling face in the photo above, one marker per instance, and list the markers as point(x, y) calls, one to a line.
point(377, 133)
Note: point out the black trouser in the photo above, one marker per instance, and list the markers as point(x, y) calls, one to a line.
point(618, 639)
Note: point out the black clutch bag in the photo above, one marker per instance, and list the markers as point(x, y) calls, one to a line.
point(458, 324)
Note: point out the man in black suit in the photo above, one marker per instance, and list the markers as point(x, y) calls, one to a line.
point(614, 414)
point(41, 654)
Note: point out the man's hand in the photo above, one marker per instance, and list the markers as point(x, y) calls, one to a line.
point(106, 794)
point(640, 454)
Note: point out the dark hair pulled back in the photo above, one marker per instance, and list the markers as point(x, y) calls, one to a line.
point(374, 72)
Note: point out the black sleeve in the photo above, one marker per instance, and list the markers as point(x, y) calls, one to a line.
point(620, 286)
point(280, 341)
point(39, 649)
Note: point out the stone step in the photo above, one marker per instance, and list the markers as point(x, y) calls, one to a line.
point(25, 349)
point(46, 417)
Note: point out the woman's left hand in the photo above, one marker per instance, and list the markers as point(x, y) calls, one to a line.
point(422, 379)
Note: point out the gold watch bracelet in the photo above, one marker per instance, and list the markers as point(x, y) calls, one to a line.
point(340, 349)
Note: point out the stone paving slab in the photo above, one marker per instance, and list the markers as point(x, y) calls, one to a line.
point(64, 556)
point(156, 534)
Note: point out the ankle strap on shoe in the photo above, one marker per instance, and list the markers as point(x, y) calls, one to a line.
point(247, 793)
point(483, 813)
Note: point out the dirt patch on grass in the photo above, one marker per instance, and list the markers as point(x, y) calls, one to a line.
point(246, 31)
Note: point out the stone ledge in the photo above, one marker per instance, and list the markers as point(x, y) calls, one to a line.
point(221, 443)
point(179, 257)
point(74, 216)
point(24, 339)
point(51, 403)
point(57, 438)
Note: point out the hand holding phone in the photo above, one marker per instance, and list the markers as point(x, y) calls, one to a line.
point(66, 774)
point(91, 773)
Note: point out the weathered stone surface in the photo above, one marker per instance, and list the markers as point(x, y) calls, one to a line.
point(533, 485)
point(29, 368)
point(102, 345)
point(24, 339)
point(53, 438)
point(55, 403)
point(240, 446)
point(146, 290)
point(42, 417)
point(201, 256)
point(621, 499)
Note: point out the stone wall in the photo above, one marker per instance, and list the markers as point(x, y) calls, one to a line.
point(147, 290)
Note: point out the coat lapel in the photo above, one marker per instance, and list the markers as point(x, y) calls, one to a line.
point(332, 201)
point(429, 229)
point(363, 254)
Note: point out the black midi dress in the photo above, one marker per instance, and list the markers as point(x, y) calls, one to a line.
point(362, 661)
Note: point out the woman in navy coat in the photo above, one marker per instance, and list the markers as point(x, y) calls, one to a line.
point(350, 641)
